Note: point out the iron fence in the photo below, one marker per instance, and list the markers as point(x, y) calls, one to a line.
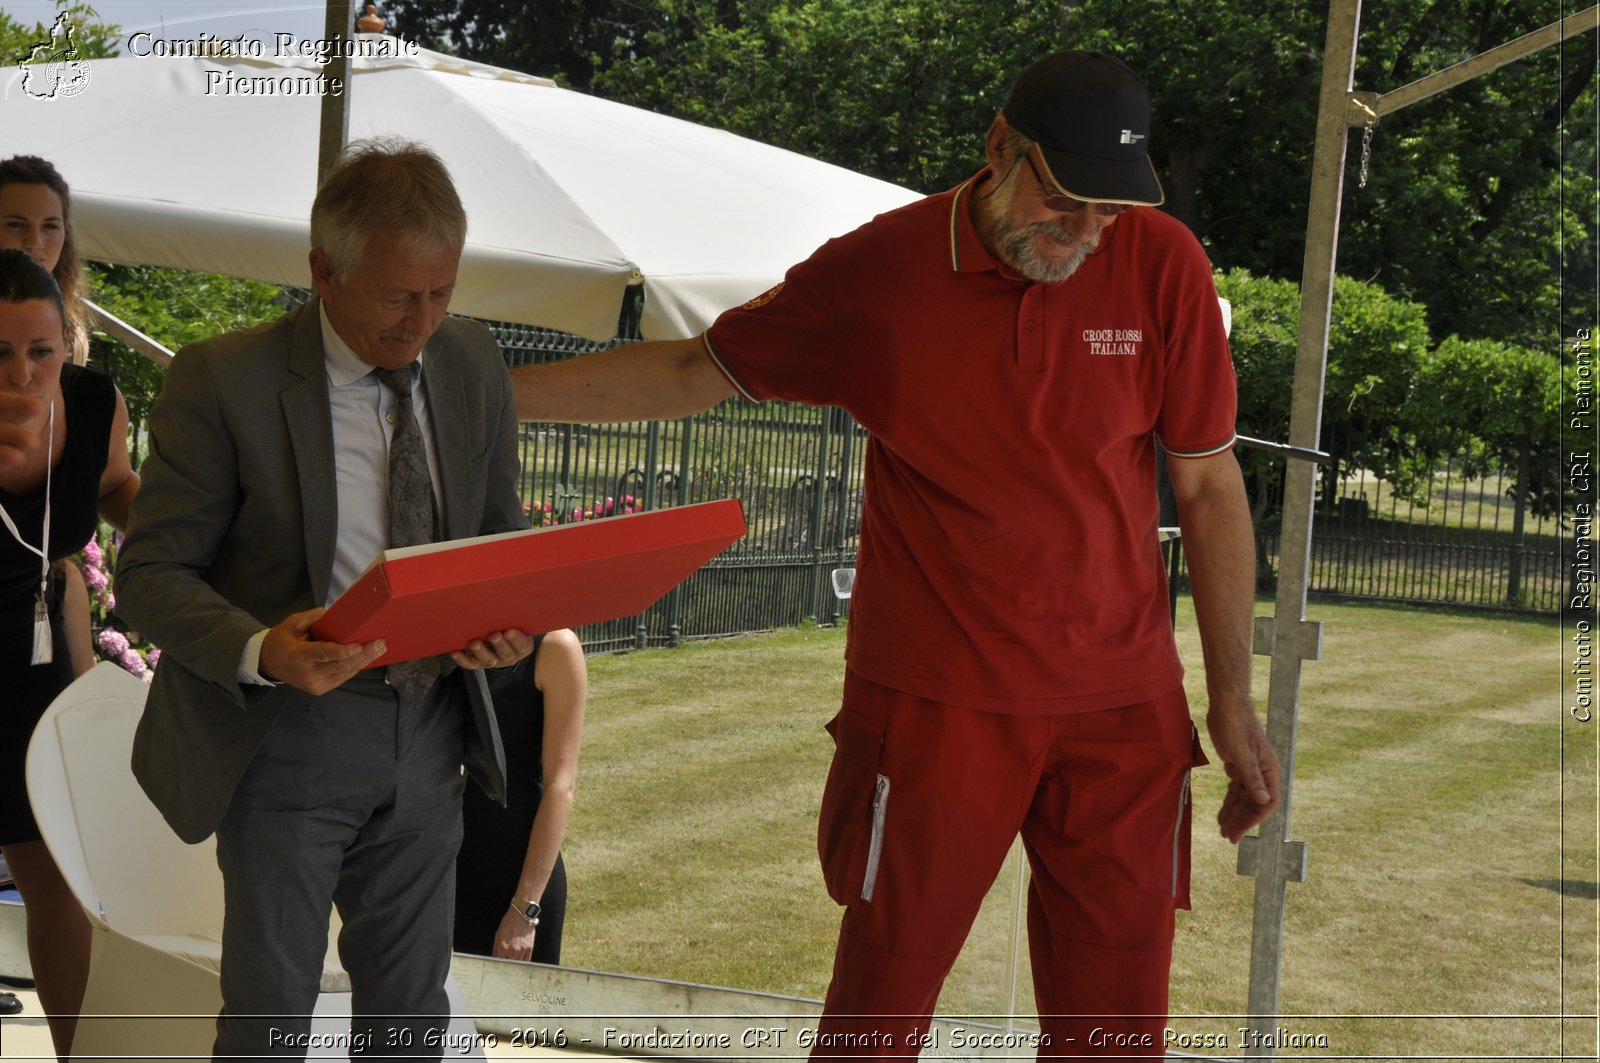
point(1458, 534)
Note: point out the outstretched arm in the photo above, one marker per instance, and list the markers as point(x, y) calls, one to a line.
point(663, 380)
point(1217, 537)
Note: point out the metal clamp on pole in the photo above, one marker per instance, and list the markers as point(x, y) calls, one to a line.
point(1363, 109)
point(1307, 635)
point(1294, 858)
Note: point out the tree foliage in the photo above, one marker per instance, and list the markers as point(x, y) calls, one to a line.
point(1470, 205)
point(902, 91)
point(1375, 345)
point(95, 39)
point(557, 39)
point(1393, 402)
point(1494, 406)
point(176, 307)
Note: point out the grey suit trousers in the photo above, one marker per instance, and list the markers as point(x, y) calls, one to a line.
point(354, 800)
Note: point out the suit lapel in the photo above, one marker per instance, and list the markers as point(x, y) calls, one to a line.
point(448, 412)
point(306, 411)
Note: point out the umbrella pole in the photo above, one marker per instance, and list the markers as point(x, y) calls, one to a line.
point(335, 106)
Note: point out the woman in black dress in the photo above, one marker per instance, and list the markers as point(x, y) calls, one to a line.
point(511, 894)
point(69, 469)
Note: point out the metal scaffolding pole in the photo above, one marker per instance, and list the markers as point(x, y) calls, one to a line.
point(1288, 637)
point(1271, 857)
point(335, 106)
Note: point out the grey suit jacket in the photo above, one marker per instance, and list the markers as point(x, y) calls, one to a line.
point(233, 529)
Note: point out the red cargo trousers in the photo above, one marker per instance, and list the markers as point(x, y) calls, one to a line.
point(922, 802)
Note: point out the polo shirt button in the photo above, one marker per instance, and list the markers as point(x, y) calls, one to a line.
point(1029, 325)
point(390, 417)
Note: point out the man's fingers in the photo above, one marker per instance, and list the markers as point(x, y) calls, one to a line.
point(316, 667)
point(300, 623)
point(1246, 778)
point(344, 652)
point(1253, 784)
point(1251, 797)
point(371, 652)
point(351, 658)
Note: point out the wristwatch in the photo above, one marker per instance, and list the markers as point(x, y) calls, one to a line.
point(529, 910)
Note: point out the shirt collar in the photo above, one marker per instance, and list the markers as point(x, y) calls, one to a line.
point(344, 365)
point(967, 253)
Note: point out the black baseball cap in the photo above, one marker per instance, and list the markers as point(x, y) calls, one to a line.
point(1090, 116)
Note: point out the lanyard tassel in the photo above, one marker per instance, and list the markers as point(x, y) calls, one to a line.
point(44, 650)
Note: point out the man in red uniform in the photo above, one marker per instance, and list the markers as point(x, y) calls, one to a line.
point(1017, 347)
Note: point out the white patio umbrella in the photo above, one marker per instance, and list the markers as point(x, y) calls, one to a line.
point(569, 198)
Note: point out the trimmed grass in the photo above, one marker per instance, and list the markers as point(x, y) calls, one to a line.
point(1447, 798)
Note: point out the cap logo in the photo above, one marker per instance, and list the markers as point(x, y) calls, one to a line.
point(1130, 137)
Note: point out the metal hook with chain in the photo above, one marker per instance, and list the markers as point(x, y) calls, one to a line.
point(1369, 125)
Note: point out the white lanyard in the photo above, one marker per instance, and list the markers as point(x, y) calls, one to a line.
point(43, 645)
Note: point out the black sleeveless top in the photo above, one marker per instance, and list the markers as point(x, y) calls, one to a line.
point(494, 840)
point(519, 710)
point(90, 399)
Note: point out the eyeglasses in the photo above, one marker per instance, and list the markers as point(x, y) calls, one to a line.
point(1071, 204)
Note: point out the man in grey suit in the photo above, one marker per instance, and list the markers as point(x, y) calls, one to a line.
point(268, 489)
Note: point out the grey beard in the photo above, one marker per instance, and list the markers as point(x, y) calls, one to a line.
point(1027, 261)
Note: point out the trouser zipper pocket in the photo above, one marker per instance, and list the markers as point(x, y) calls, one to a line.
point(1177, 829)
point(880, 809)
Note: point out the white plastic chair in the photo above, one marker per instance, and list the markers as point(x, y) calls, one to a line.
point(155, 904)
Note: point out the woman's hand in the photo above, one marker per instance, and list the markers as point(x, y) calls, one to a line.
point(514, 939)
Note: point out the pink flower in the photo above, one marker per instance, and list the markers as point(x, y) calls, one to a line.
point(92, 554)
point(112, 642)
point(96, 579)
point(611, 504)
point(109, 600)
point(547, 507)
point(131, 660)
point(153, 657)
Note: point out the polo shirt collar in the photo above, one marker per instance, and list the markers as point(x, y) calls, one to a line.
point(967, 253)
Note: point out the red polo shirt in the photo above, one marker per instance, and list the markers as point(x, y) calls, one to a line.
point(1008, 557)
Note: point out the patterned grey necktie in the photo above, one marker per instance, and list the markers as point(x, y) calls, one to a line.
point(412, 519)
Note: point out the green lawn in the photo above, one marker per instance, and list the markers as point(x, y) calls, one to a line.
point(1447, 799)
